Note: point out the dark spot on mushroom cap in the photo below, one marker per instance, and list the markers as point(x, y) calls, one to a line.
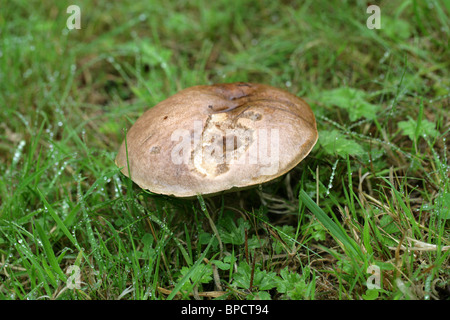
point(255, 116)
point(223, 108)
point(222, 168)
point(155, 150)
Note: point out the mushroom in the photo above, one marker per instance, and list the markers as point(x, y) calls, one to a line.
point(212, 138)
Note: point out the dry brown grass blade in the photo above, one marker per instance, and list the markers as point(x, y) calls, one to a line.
point(420, 246)
point(205, 294)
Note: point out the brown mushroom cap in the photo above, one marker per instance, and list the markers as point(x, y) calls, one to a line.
point(211, 138)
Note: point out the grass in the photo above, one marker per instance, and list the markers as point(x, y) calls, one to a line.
point(374, 194)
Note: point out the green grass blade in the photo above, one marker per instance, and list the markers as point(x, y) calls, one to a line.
point(49, 253)
point(418, 127)
point(58, 221)
point(340, 235)
point(33, 266)
point(191, 270)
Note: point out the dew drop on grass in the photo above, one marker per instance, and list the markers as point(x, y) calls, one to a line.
point(27, 73)
point(18, 153)
point(118, 187)
point(65, 209)
point(333, 172)
point(385, 56)
point(61, 169)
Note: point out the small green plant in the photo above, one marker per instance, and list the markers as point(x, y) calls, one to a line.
point(232, 231)
point(415, 129)
point(296, 286)
point(354, 101)
point(202, 274)
point(254, 280)
point(335, 143)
